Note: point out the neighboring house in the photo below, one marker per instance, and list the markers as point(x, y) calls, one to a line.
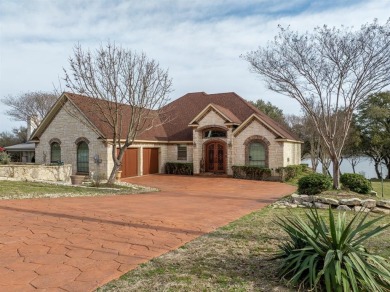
point(213, 131)
point(23, 152)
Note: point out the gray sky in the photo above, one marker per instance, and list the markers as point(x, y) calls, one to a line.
point(199, 41)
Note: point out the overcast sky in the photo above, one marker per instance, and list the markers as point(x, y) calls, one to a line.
point(199, 41)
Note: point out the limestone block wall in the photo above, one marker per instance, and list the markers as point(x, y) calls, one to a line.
point(67, 129)
point(197, 150)
point(172, 152)
point(275, 157)
point(33, 172)
point(291, 153)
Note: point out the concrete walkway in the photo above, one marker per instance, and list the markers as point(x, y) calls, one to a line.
point(79, 244)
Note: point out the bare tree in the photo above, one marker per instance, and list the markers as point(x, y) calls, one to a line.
point(128, 89)
point(30, 105)
point(328, 71)
point(302, 126)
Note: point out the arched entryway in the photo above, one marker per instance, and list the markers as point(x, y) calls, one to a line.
point(215, 157)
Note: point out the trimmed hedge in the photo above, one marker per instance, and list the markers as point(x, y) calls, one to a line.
point(251, 172)
point(291, 171)
point(356, 183)
point(314, 183)
point(180, 168)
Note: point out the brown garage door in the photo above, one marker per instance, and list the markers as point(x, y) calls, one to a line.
point(130, 163)
point(150, 160)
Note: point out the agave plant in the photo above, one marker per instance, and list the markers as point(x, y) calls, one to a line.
point(331, 256)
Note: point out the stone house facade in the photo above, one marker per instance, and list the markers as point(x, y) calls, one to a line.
point(212, 131)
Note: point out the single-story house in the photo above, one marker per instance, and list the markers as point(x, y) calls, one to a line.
point(23, 152)
point(212, 131)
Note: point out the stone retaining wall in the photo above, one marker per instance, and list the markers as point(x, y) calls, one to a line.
point(347, 204)
point(37, 172)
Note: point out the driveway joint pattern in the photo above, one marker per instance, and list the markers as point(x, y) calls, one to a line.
point(79, 244)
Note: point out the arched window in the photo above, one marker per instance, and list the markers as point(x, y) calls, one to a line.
point(214, 133)
point(55, 152)
point(257, 154)
point(82, 157)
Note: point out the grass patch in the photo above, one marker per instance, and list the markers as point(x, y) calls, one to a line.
point(24, 189)
point(294, 181)
point(377, 186)
point(236, 257)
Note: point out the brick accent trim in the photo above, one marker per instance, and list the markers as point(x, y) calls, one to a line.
point(259, 139)
point(81, 139)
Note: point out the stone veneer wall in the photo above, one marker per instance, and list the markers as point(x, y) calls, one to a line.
point(172, 152)
point(291, 153)
point(275, 158)
point(210, 120)
point(37, 172)
point(68, 129)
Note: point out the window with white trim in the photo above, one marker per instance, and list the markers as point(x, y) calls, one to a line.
point(181, 152)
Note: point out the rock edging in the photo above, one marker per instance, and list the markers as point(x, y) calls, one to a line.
point(348, 204)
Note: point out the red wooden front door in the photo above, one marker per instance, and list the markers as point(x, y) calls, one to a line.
point(215, 157)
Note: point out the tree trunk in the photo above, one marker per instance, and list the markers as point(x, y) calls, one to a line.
point(314, 163)
point(111, 179)
point(117, 159)
point(336, 173)
point(378, 173)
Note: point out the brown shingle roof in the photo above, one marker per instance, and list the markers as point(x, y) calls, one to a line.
point(232, 117)
point(188, 106)
point(182, 111)
point(89, 107)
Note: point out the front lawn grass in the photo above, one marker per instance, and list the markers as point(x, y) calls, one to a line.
point(24, 189)
point(237, 257)
point(377, 186)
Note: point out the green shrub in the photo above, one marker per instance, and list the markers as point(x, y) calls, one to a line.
point(291, 171)
point(318, 255)
point(179, 168)
point(314, 183)
point(356, 183)
point(251, 172)
point(4, 158)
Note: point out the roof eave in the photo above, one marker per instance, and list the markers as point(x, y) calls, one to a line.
point(289, 140)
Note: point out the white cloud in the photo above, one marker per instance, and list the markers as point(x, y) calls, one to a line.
point(199, 41)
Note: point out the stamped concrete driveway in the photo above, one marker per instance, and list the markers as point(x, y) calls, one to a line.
point(79, 244)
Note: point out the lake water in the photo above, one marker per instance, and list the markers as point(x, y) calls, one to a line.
point(364, 167)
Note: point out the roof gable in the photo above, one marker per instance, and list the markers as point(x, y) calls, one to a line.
point(224, 113)
point(255, 117)
point(58, 105)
